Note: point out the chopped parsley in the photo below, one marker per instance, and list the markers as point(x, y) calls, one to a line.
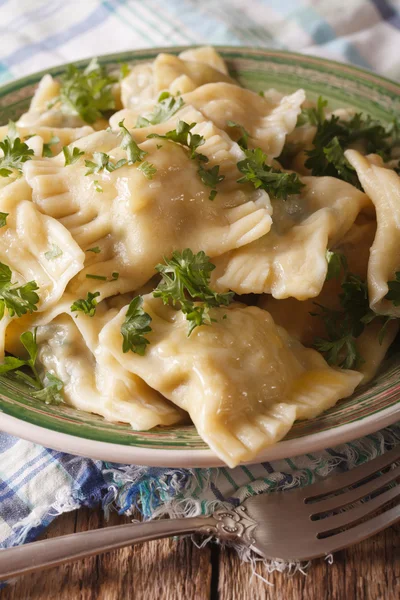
point(101, 161)
point(185, 283)
point(96, 250)
point(88, 306)
point(15, 153)
point(148, 169)
point(184, 136)
point(314, 115)
point(47, 151)
point(98, 277)
point(3, 219)
point(394, 290)
point(53, 253)
point(87, 94)
point(244, 138)
point(134, 153)
point(277, 184)
point(335, 135)
point(135, 327)
point(18, 300)
point(210, 178)
point(165, 109)
point(97, 186)
point(336, 263)
point(114, 276)
point(124, 70)
point(47, 390)
point(73, 156)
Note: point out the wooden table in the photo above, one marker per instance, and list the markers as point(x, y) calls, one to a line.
point(177, 570)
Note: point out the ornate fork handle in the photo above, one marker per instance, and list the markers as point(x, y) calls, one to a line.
point(225, 524)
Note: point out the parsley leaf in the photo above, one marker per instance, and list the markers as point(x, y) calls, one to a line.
point(314, 115)
point(72, 157)
point(102, 161)
point(88, 306)
point(47, 151)
point(124, 70)
point(167, 106)
point(244, 139)
point(277, 183)
point(394, 290)
point(3, 219)
point(135, 326)
point(18, 300)
point(345, 325)
point(210, 178)
point(185, 282)
point(148, 169)
point(97, 186)
point(55, 252)
point(336, 262)
point(15, 153)
point(50, 393)
point(184, 136)
point(86, 93)
point(134, 153)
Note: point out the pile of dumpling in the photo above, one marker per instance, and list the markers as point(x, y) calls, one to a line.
point(244, 379)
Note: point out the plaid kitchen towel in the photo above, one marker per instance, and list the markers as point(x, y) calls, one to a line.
point(37, 484)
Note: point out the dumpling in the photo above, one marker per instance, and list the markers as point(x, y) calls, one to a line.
point(66, 135)
point(297, 317)
point(290, 259)
point(141, 88)
point(243, 392)
point(132, 211)
point(36, 246)
point(268, 123)
point(206, 55)
point(383, 187)
point(95, 382)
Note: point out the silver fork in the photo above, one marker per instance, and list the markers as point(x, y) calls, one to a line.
point(291, 525)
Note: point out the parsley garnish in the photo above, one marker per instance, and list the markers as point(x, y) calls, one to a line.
point(135, 326)
point(244, 138)
point(102, 161)
point(55, 252)
point(3, 219)
point(210, 178)
point(124, 70)
point(50, 394)
point(184, 136)
point(394, 290)
point(86, 93)
point(167, 106)
point(314, 115)
point(15, 153)
point(48, 390)
point(185, 282)
point(17, 300)
point(336, 262)
point(148, 169)
point(97, 186)
point(334, 136)
point(277, 183)
point(88, 306)
point(134, 153)
point(96, 250)
point(47, 151)
point(99, 277)
point(72, 157)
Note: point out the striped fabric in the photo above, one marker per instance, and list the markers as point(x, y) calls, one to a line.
point(37, 484)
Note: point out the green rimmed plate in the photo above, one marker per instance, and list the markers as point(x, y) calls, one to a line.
point(371, 408)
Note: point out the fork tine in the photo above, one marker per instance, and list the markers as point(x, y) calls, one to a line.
point(354, 494)
point(358, 512)
point(355, 535)
point(333, 484)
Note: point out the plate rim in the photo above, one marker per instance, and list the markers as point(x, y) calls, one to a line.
point(189, 458)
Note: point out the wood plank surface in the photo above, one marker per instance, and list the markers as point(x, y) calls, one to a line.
point(177, 570)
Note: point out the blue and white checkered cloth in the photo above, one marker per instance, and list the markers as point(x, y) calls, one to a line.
point(37, 484)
